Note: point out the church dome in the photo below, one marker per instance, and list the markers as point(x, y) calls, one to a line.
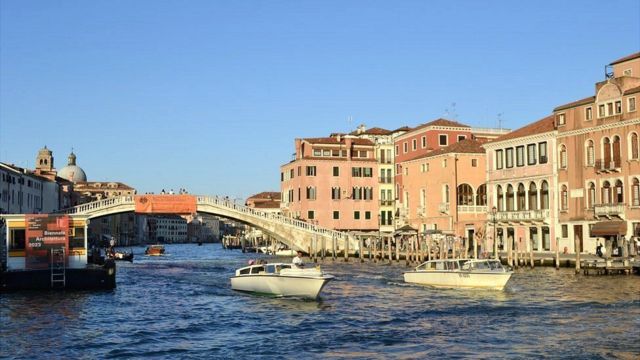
point(72, 172)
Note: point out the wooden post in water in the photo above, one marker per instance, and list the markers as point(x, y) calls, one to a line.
point(509, 245)
point(333, 247)
point(531, 260)
point(454, 245)
point(557, 253)
point(428, 249)
point(474, 243)
point(369, 249)
point(361, 249)
point(398, 249)
point(346, 249)
point(389, 248)
point(578, 250)
point(324, 247)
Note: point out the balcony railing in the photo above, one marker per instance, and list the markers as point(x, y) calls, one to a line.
point(612, 165)
point(524, 215)
point(385, 180)
point(609, 210)
point(386, 202)
point(385, 161)
point(444, 208)
point(472, 208)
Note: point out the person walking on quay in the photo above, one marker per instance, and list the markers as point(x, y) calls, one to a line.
point(599, 249)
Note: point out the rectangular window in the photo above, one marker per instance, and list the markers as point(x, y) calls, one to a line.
point(520, 156)
point(291, 174)
point(631, 104)
point(317, 152)
point(531, 154)
point(444, 141)
point(588, 113)
point(335, 193)
point(565, 231)
point(461, 137)
point(414, 144)
point(405, 147)
point(356, 172)
point(281, 176)
point(542, 152)
point(397, 150)
point(336, 171)
point(423, 168)
point(367, 172)
point(444, 163)
point(311, 193)
point(311, 171)
point(601, 110)
point(609, 109)
point(299, 170)
point(618, 107)
point(356, 215)
point(424, 142)
point(367, 215)
point(474, 162)
point(336, 215)
point(311, 215)
point(561, 119)
point(509, 157)
point(364, 154)
point(499, 159)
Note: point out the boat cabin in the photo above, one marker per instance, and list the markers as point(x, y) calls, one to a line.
point(262, 269)
point(442, 265)
point(490, 265)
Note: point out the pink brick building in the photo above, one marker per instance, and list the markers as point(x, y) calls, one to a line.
point(332, 182)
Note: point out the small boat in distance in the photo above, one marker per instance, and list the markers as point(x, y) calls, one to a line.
point(154, 250)
point(281, 279)
point(454, 273)
point(123, 256)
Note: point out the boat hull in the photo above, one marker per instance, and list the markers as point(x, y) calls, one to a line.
point(281, 285)
point(456, 279)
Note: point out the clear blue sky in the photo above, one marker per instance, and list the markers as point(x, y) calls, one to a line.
point(210, 95)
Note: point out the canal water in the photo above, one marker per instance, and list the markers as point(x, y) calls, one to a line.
point(181, 306)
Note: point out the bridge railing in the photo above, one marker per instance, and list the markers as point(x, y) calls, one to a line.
point(219, 201)
point(99, 205)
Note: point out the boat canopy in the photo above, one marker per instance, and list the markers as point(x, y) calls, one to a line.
point(609, 228)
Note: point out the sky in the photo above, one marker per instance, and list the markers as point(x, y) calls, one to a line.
point(210, 95)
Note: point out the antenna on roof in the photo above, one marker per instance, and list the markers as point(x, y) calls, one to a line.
point(349, 121)
point(500, 121)
point(450, 112)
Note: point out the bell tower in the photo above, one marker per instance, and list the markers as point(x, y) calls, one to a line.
point(44, 161)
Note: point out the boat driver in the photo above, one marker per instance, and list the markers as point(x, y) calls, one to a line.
point(297, 260)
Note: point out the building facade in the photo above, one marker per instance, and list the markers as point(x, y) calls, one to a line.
point(522, 187)
point(332, 182)
point(598, 159)
point(445, 190)
point(24, 192)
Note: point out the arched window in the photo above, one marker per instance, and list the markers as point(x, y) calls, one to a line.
point(606, 193)
point(606, 149)
point(633, 142)
point(564, 197)
point(619, 194)
point(544, 195)
point(41, 161)
point(592, 195)
point(563, 157)
point(635, 192)
point(533, 196)
point(510, 204)
point(500, 198)
point(481, 195)
point(616, 152)
point(590, 156)
point(522, 194)
point(465, 194)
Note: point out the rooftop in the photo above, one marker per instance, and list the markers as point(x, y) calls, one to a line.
point(541, 126)
point(442, 122)
point(626, 58)
point(467, 146)
point(268, 195)
point(587, 100)
point(335, 141)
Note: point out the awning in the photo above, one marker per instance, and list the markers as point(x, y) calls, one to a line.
point(609, 228)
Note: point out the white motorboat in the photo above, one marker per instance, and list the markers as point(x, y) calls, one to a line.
point(489, 274)
point(281, 280)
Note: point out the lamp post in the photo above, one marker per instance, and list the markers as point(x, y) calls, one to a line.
point(494, 212)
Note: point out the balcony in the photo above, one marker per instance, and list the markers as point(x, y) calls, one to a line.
point(472, 209)
point(603, 166)
point(522, 216)
point(386, 161)
point(609, 210)
point(386, 202)
point(444, 208)
point(385, 180)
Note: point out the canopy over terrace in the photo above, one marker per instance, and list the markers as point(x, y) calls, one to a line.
point(609, 228)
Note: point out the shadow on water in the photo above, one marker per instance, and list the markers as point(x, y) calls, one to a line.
point(181, 306)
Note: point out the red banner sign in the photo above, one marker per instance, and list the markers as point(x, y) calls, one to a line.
point(43, 233)
point(165, 204)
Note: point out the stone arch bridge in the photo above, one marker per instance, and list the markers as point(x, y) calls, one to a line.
point(296, 234)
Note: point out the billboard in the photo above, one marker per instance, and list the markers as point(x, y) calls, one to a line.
point(165, 204)
point(43, 233)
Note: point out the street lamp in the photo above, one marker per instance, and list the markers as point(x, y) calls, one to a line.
point(494, 212)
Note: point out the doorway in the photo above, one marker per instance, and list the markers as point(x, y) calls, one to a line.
point(577, 233)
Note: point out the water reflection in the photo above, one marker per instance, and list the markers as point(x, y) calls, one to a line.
point(182, 306)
